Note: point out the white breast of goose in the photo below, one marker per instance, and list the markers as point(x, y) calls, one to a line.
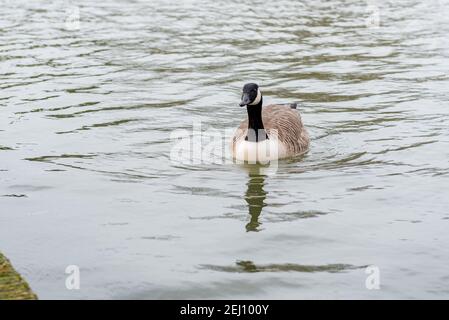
point(263, 151)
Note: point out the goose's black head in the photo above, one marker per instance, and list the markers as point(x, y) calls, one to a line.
point(251, 95)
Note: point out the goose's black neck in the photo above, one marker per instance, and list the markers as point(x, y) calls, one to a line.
point(256, 130)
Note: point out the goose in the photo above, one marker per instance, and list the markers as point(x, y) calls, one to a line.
point(270, 133)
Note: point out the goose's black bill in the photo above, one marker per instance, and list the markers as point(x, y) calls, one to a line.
point(245, 100)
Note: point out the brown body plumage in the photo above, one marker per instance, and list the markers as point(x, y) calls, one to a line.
point(283, 121)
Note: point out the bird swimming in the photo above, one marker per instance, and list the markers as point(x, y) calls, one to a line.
point(269, 133)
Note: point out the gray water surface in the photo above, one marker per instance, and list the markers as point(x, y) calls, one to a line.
point(86, 177)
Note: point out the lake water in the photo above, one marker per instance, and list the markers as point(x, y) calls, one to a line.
point(90, 94)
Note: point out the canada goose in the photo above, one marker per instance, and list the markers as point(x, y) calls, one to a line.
point(272, 132)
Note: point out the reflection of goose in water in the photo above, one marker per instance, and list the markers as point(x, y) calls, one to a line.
point(255, 196)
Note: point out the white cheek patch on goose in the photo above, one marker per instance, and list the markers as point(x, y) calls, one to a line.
point(257, 100)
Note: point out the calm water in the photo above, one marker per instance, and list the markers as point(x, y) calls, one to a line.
point(86, 178)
